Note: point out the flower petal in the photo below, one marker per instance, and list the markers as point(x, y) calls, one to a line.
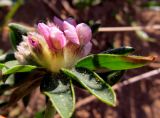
point(71, 21)
point(58, 38)
point(43, 29)
point(86, 49)
point(84, 33)
point(58, 22)
point(70, 32)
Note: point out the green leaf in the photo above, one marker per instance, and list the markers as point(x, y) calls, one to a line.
point(10, 64)
point(94, 84)
point(112, 77)
point(60, 91)
point(113, 62)
point(18, 68)
point(16, 32)
point(2, 65)
point(9, 81)
point(7, 57)
point(50, 110)
point(120, 51)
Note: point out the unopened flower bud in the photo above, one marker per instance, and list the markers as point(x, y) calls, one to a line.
point(58, 22)
point(71, 21)
point(56, 45)
point(35, 44)
point(57, 37)
point(43, 29)
point(70, 32)
point(84, 33)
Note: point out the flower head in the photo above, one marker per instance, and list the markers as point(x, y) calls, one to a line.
point(55, 45)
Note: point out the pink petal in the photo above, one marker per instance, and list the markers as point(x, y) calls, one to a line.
point(43, 29)
point(86, 49)
point(71, 21)
point(58, 22)
point(70, 32)
point(33, 42)
point(84, 33)
point(58, 38)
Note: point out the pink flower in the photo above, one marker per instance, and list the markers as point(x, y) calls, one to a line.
point(56, 45)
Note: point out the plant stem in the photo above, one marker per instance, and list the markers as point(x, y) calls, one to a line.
point(50, 110)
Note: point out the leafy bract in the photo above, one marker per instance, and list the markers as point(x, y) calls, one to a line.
point(112, 77)
point(60, 91)
point(19, 68)
point(7, 57)
point(16, 32)
point(94, 84)
point(120, 51)
point(2, 65)
point(12, 67)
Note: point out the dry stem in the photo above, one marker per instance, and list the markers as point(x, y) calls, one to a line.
point(124, 29)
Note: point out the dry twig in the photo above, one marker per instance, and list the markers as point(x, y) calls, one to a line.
point(124, 29)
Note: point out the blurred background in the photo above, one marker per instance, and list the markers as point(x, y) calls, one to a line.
point(140, 99)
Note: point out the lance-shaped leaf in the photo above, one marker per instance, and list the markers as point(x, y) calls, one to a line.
point(2, 65)
point(12, 67)
point(94, 84)
point(60, 91)
point(112, 77)
point(7, 57)
point(18, 68)
point(113, 62)
point(120, 51)
point(16, 32)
